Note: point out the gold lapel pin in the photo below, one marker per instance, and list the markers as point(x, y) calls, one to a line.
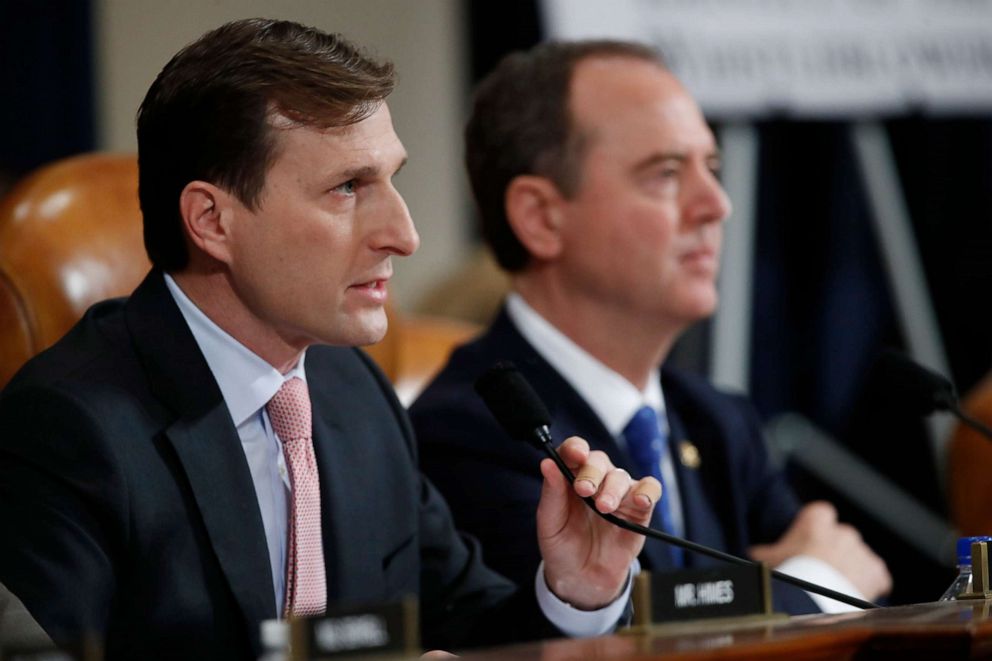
point(689, 454)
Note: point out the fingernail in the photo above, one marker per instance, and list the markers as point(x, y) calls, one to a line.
point(587, 486)
point(608, 502)
point(643, 500)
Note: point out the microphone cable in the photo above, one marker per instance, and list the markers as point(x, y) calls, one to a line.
point(519, 410)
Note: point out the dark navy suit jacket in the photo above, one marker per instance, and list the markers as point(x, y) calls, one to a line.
point(128, 507)
point(735, 498)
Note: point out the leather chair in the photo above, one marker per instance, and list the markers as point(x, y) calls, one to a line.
point(969, 464)
point(70, 235)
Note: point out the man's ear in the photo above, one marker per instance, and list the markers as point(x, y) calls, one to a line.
point(533, 209)
point(206, 211)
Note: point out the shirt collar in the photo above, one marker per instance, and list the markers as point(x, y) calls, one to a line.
point(246, 381)
point(612, 398)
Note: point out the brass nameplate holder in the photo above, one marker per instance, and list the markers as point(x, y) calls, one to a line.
point(979, 573)
point(696, 594)
point(387, 631)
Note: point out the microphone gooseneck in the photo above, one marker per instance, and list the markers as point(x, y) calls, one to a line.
point(924, 390)
point(520, 411)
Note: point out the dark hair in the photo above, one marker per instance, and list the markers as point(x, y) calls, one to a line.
point(207, 114)
point(521, 124)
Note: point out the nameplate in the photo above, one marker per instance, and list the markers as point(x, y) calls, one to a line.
point(694, 594)
point(382, 630)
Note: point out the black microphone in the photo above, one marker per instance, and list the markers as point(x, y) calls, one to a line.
point(519, 410)
point(924, 390)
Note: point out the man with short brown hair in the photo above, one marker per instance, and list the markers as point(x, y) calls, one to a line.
point(597, 182)
point(213, 452)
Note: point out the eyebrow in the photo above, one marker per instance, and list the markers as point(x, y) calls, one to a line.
point(368, 171)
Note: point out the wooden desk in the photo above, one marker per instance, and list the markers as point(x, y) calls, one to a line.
point(936, 631)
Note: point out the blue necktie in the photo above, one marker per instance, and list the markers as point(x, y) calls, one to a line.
point(647, 445)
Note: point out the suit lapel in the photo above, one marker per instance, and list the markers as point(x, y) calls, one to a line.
point(206, 442)
point(338, 446)
point(211, 455)
point(340, 487)
point(701, 522)
point(571, 415)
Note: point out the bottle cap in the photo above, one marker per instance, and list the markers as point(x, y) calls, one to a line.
point(964, 547)
point(275, 634)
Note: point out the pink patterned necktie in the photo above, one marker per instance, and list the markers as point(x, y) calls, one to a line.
point(289, 412)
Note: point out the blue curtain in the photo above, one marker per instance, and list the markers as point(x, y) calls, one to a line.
point(46, 78)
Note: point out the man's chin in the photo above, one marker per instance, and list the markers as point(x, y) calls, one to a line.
point(701, 307)
point(356, 330)
point(371, 332)
point(370, 339)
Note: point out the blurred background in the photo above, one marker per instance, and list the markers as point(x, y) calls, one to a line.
point(863, 200)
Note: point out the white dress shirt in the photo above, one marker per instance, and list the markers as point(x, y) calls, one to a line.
point(247, 383)
point(614, 400)
point(611, 397)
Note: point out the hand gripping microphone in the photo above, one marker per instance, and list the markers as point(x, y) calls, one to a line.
point(924, 390)
point(522, 414)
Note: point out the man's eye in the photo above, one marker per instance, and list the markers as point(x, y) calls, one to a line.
point(347, 188)
point(666, 174)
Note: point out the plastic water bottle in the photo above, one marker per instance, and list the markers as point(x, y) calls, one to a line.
point(962, 583)
point(275, 640)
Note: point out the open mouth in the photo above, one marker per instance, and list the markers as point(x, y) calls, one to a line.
point(375, 290)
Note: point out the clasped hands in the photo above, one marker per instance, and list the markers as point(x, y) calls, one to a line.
point(586, 558)
point(815, 532)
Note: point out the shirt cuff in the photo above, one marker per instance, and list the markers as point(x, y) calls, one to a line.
point(817, 571)
point(579, 623)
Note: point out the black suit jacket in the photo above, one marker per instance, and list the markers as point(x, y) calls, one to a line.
point(128, 508)
point(734, 499)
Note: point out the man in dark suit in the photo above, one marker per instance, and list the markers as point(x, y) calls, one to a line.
point(210, 453)
point(596, 179)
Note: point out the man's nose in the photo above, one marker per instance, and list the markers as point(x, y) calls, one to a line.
point(709, 202)
point(396, 233)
